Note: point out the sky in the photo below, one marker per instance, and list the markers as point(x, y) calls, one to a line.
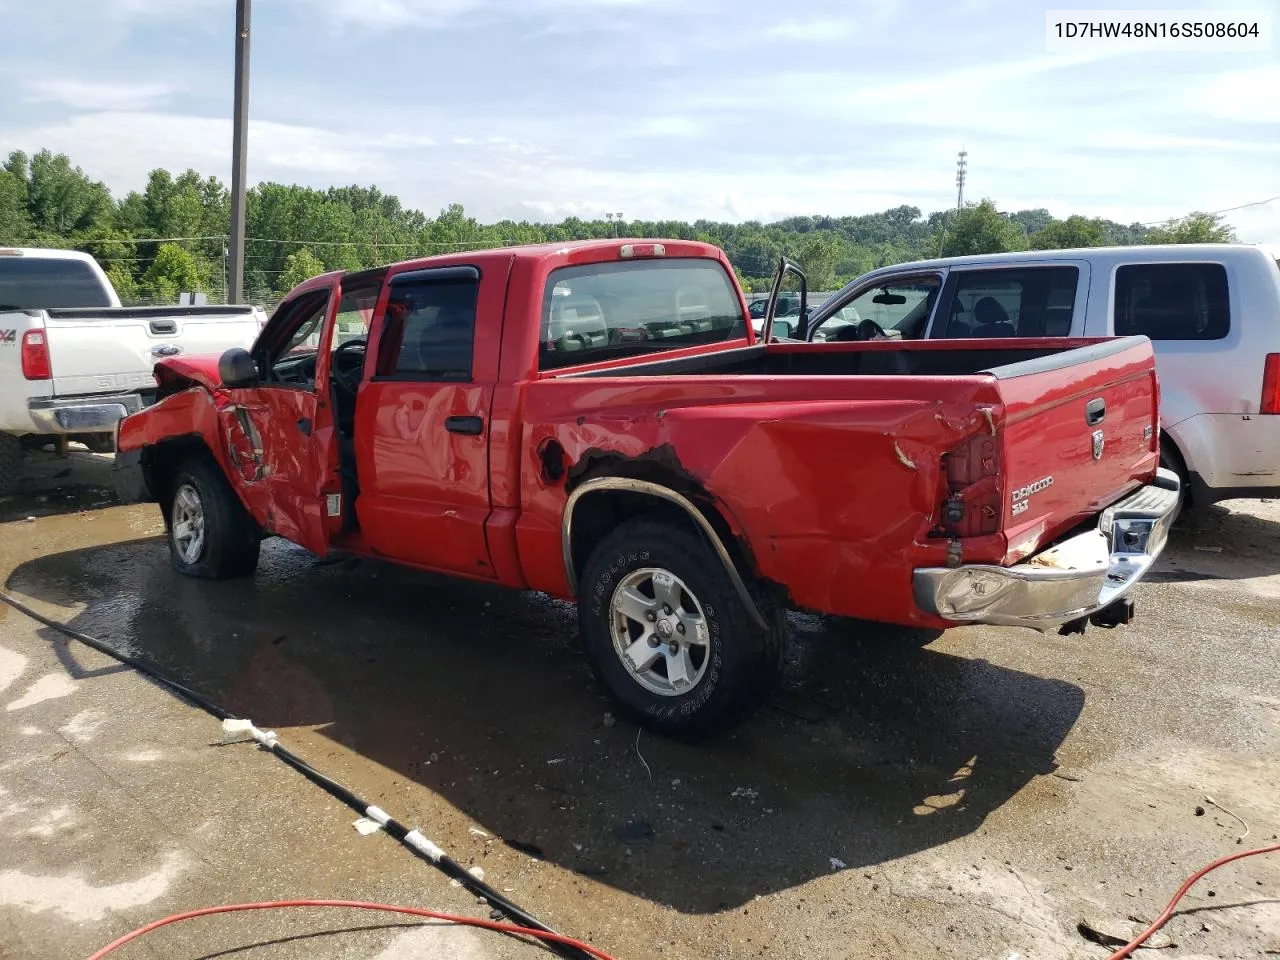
point(720, 109)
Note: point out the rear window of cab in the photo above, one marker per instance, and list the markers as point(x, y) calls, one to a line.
point(604, 311)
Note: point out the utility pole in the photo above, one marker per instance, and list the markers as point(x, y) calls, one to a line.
point(619, 222)
point(962, 167)
point(239, 146)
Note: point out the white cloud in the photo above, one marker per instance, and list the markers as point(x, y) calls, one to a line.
point(387, 14)
point(96, 95)
point(811, 30)
point(1247, 96)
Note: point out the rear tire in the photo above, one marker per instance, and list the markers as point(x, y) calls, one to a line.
point(1170, 459)
point(695, 663)
point(10, 463)
point(210, 533)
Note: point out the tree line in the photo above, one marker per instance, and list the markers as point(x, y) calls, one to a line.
point(296, 232)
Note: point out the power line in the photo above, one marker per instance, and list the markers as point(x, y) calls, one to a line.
point(1214, 213)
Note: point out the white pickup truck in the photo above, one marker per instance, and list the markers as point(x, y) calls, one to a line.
point(1212, 312)
point(73, 362)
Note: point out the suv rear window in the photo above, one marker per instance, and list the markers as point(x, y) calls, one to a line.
point(32, 283)
point(1172, 301)
point(603, 311)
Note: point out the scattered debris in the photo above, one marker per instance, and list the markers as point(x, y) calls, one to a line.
point(551, 763)
point(1070, 778)
point(1213, 802)
point(1205, 928)
point(641, 755)
point(610, 720)
point(364, 826)
point(578, 847)
point(838, 864)
point(477, 832)
point(477, 872)
point(1199, 811)
point(675, 782)
point(1204, 549)
point(745, 792)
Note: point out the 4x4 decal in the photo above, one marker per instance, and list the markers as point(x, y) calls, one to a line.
point(8, 336)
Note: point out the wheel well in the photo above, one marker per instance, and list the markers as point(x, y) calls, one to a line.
point(160, 461)
point(1169, 451)
point(600, 511)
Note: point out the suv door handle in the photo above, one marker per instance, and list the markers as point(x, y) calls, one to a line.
point(469, 426)
point(1095, 411)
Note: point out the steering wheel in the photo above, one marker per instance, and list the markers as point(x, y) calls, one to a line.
point(868, 329)
point(341, 376)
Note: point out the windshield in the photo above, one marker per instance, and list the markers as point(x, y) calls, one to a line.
point(32, 283)
point(902, 306)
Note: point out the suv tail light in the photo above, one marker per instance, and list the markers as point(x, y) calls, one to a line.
point(973, 504)
point(1271, 384)
point(35, 356)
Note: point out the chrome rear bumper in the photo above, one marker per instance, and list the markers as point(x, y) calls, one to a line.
point(92, 414)
point(1067, 582)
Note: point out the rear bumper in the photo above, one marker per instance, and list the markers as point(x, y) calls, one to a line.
point(1070, 581)
point(96, 414)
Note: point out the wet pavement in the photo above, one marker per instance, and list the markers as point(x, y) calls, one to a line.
point(972, 794)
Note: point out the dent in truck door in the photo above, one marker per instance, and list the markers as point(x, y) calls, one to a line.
point(422, 431)
point(279, 434)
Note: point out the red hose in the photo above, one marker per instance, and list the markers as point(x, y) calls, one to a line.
point(1161, 920)
point(355, 905)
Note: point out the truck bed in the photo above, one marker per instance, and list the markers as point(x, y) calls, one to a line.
point(942, 358)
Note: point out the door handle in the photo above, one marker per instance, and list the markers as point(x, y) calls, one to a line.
point(1095, 411)
point(305, 426)
point(468, 426)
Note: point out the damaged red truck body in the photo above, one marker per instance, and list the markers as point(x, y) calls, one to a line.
point(598, 420)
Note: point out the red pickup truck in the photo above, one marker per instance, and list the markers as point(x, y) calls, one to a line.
point(598, 421)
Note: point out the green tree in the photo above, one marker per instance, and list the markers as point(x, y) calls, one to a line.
point(173, 271)
point(61, 200)
point(14, 222)
point(300, 265)
point(980, 229)
point(1075, 231)
point(1194, 228)
point(125, 285)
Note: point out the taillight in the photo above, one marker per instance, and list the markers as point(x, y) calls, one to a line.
point(1271, 384)
point(35, 356)
point(973, 504)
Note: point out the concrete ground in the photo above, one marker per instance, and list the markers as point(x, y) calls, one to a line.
point(971, 795)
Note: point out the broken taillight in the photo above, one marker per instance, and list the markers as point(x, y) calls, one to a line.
point(972, 506)
point(1271, 384)
point(35, 356)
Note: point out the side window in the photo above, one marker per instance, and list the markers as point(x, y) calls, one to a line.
point(900, 307)
point(1172, 301)
point(1020, 302)
point(429, 329)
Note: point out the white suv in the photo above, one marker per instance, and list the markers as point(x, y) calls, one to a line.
point(1212, 312)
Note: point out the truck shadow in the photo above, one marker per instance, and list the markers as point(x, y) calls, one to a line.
point(876, 749)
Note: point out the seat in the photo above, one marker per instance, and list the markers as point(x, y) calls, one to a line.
point(1171, 315)
point(992, 320)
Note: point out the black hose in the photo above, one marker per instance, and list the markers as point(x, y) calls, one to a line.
point(418, 845)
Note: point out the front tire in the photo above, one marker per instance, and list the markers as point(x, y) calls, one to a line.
point(211, 535)
point(667, 634)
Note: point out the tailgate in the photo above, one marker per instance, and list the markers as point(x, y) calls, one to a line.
point(100, 351)
point(1080, 431)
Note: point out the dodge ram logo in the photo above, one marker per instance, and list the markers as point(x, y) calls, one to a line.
point(1098, 442)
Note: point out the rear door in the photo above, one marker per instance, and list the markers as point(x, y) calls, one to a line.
point(100, 351)
point(422, 420)
point(1046, 299)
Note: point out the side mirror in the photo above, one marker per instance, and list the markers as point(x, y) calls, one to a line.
point(237, 369)
point(782, 329)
